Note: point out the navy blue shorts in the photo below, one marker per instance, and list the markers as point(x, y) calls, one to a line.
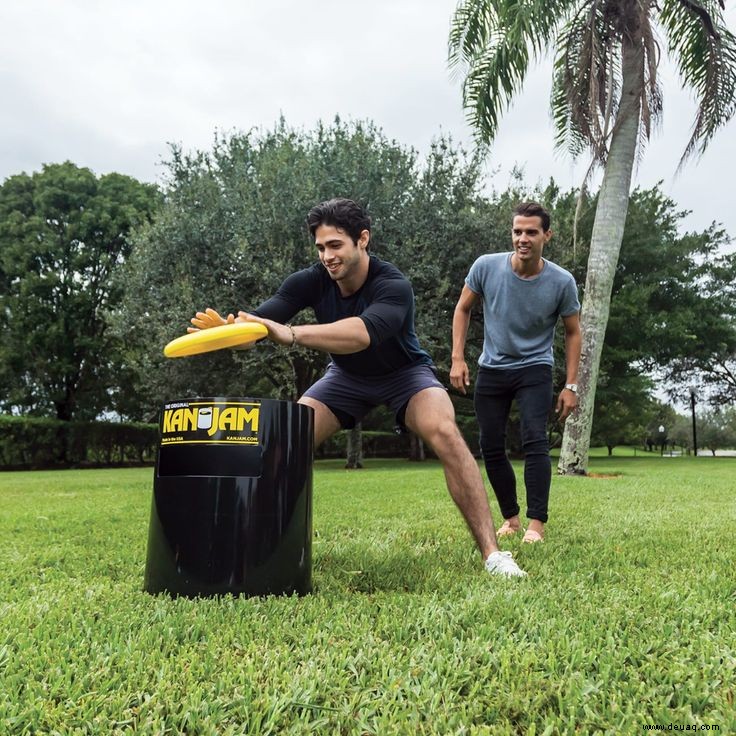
point(350, 397)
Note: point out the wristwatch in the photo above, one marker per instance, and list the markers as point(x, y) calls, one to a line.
point(572, 387)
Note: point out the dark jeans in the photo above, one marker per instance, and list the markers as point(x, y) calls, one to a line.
point(495, 389)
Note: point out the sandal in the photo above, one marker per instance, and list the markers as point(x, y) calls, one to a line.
point(507, 530)
point(531, 536)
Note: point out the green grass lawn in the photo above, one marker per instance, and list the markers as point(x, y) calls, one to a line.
point(627, 619)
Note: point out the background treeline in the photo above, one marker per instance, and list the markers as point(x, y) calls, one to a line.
point(98, 273)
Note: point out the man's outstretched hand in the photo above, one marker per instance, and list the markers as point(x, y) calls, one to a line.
point(209, 318)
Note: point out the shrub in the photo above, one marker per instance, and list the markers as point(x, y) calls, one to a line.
point(41, 442)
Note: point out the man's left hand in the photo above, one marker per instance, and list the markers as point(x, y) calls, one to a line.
point(566, 403)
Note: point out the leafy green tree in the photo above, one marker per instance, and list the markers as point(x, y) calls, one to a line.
point(447, 225)
point(605, 98)
point(683, 296)
point(231, 229)
point(681, 434)
point(710, 372)
point(623, 410)
point(64, 234)
point(672, 297)
point(717, 429)
point(718, 376)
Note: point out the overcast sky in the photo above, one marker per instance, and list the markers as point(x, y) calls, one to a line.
point(109, 84)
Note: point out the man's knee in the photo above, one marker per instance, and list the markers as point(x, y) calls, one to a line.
point(444, 437)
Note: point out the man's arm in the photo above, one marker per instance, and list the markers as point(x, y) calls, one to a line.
point(291, 297)
point(459, 373)
point(382, 319)
point(568, 400)
point(341, 338)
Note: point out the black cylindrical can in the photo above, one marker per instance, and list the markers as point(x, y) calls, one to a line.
point(232, 498)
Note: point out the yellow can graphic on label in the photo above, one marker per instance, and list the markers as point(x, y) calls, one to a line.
point(210, 422)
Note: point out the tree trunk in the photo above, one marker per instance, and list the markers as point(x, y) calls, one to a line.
point(605, 245)
point(355, 448)
point(416, 448)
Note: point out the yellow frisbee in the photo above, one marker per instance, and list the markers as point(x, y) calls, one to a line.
point(215, 338)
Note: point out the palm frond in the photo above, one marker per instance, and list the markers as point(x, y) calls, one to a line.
point(587, 80)
point(567, 134)
point(705, 52)
point(651, 92)
point(470, 31)
point(492, 43)
point(588, 76)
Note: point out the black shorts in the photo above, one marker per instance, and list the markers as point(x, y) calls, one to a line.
point(350, 397)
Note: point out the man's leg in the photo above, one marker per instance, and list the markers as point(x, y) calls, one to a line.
point(534, 398)
point(492, 402)
point(430, 414)
point(325, 422)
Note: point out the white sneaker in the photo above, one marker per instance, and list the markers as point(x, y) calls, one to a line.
point(502, 563)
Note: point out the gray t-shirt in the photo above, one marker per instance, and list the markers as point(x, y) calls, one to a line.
point(520, 314)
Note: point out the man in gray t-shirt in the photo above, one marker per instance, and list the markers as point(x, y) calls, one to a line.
point(523, 296)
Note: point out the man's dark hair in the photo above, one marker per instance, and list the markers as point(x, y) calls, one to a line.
point(533, 209)
point(341, 213)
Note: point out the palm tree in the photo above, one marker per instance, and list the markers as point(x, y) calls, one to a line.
point(605, 99)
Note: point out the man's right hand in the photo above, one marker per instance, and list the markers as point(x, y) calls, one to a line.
point(459, 375)
point(209, 318)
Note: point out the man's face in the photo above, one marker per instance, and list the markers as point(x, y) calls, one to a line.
point(528, 237)
point(337, 251)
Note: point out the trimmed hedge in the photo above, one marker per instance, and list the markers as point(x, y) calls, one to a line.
point(39, 442)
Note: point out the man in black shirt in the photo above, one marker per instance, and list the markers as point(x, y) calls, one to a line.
point(364, 309)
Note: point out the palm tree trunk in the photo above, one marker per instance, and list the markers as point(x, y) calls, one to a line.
point(608, 230)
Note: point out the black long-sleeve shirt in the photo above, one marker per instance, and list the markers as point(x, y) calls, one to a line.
point(385, 303)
